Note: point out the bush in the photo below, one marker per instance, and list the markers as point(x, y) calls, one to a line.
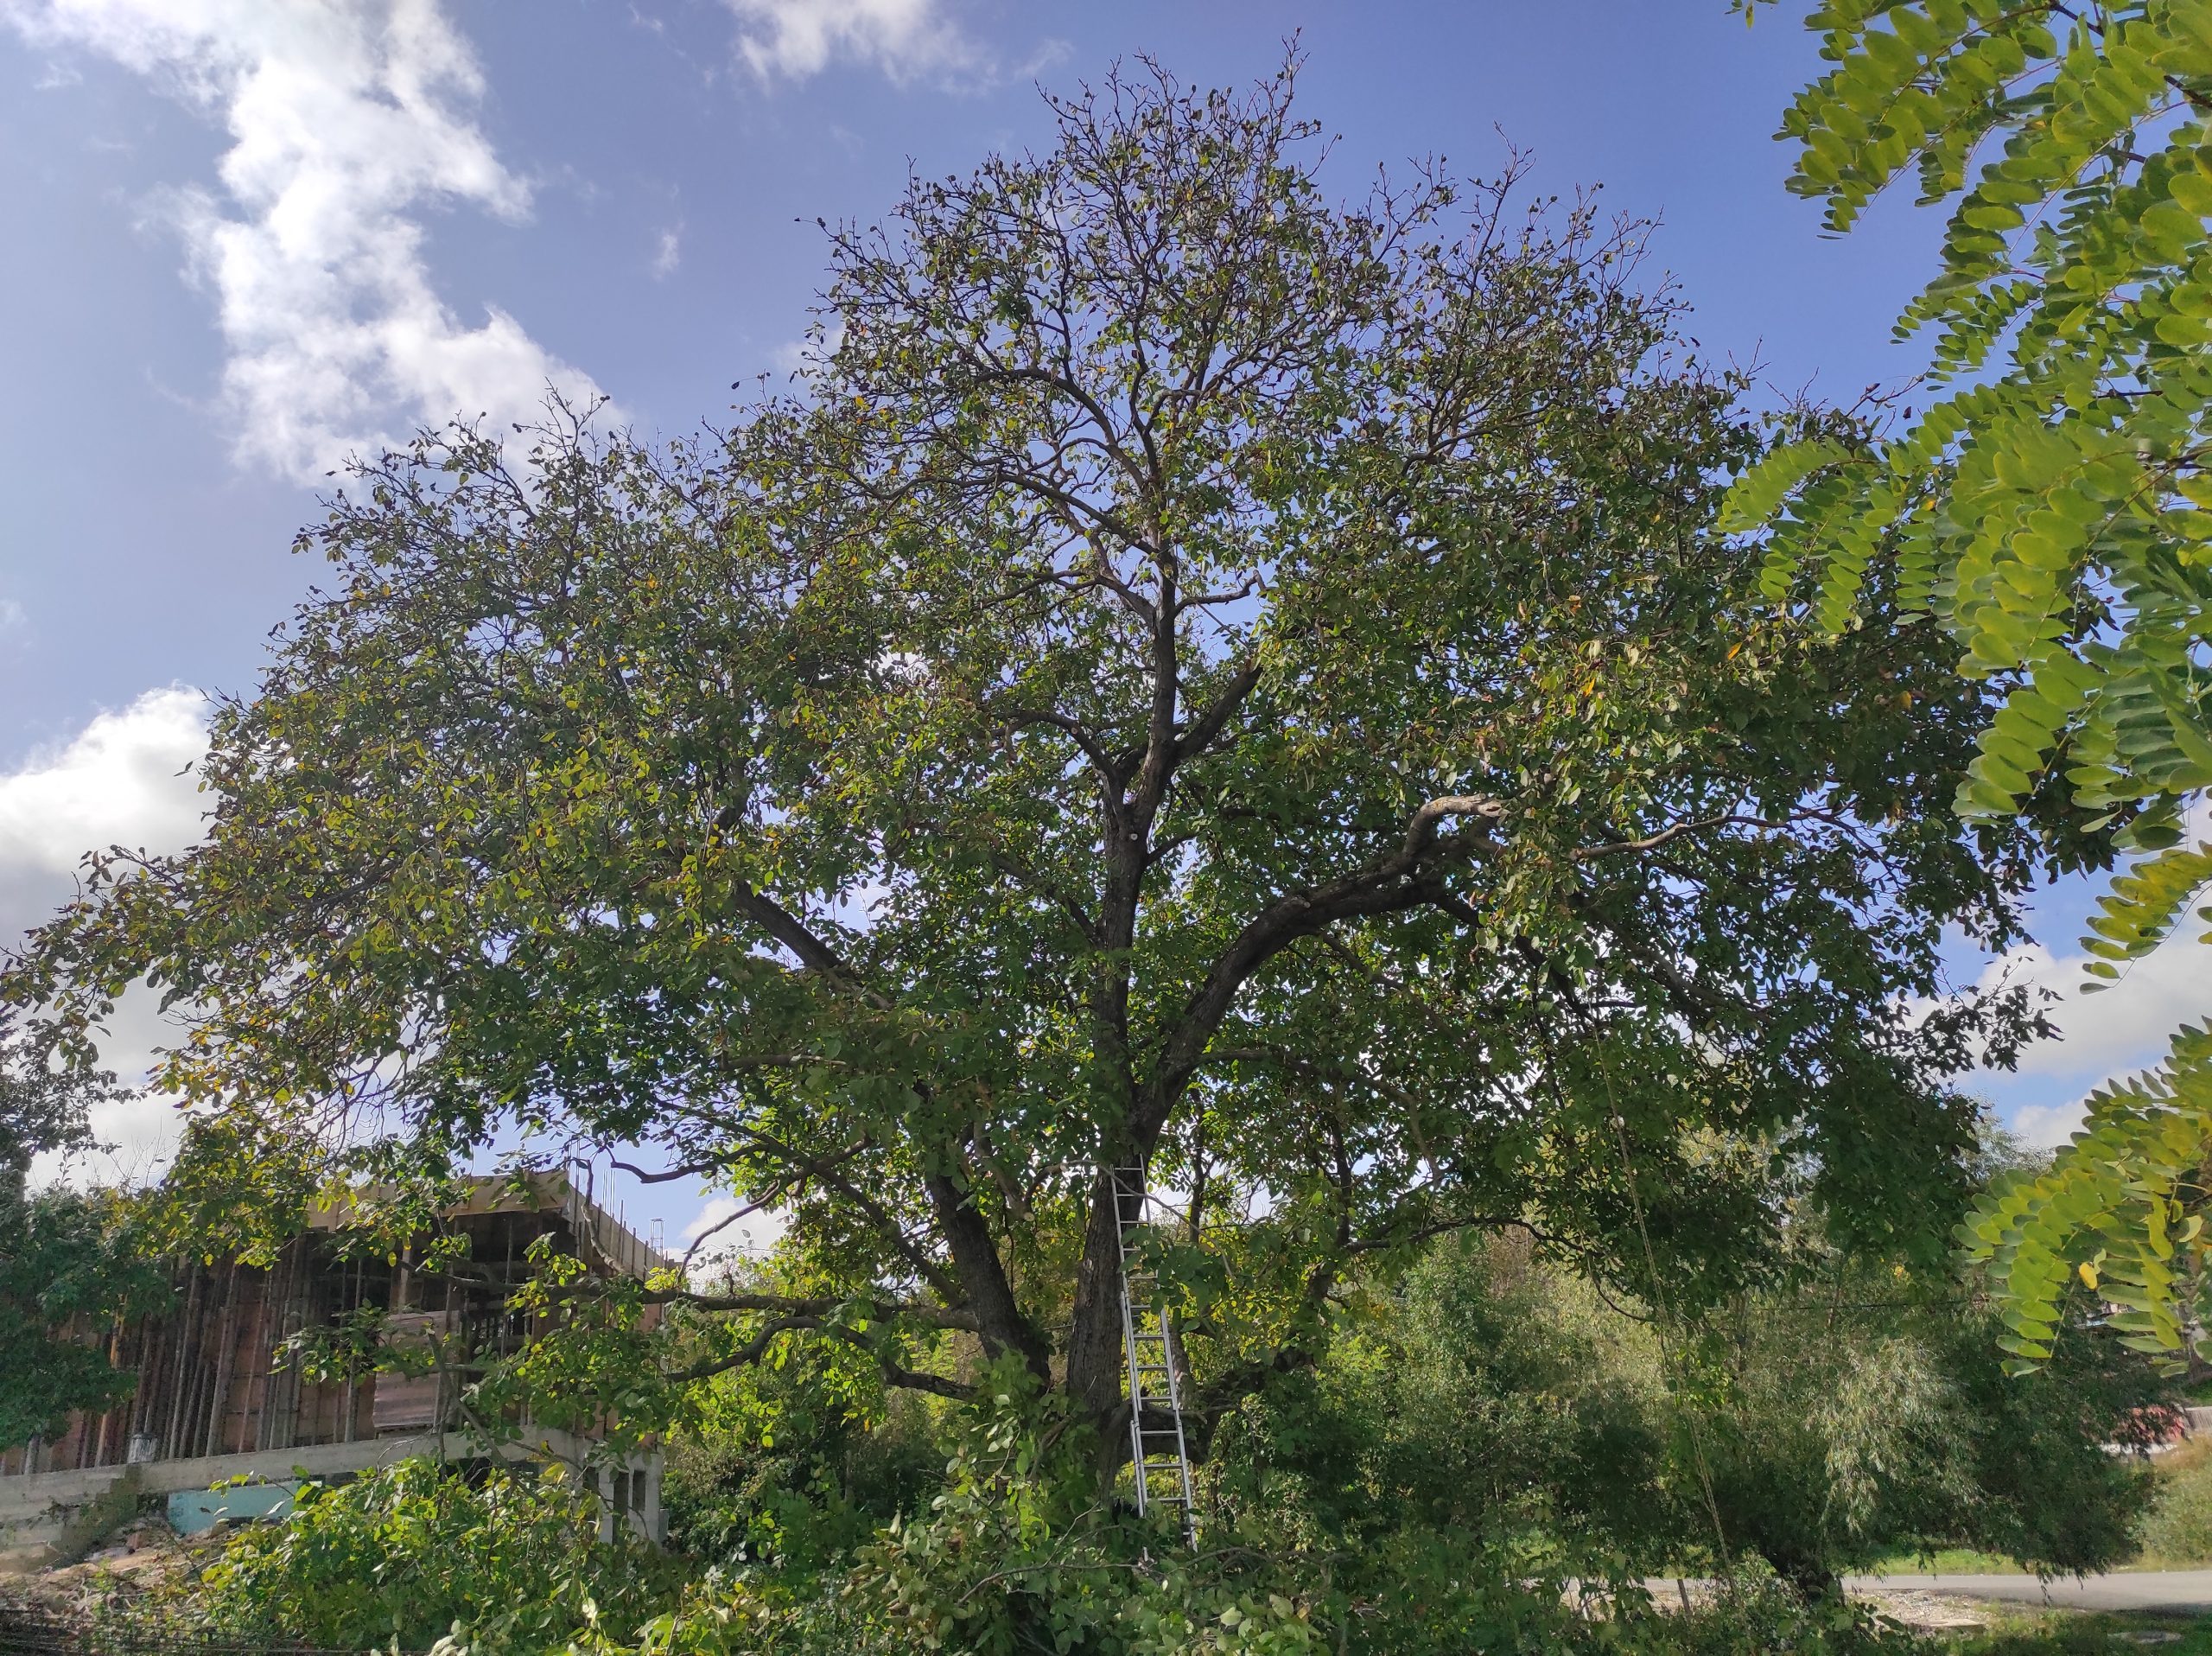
point(1014, 1557)
point(508, 1561)
point(1835, 1436)
point(794, 1468)
point(1485, 1396)
point(1833, 1418)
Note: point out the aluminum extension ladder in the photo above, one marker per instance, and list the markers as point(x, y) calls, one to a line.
point(1160, 1459)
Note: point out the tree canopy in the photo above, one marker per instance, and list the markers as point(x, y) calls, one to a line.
point(1193, 675)
point(69, 1260)
point(2050, 507)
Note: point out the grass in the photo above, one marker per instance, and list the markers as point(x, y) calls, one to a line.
point(1948, 1561)
point(2063, 1635)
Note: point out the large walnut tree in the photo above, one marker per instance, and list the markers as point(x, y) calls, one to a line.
point(1192, 675)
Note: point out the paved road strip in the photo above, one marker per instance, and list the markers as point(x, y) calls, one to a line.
point(2177, 1591)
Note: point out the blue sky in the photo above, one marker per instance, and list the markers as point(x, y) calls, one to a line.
point(246, 237)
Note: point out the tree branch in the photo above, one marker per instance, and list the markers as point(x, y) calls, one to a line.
point(815, 954)
point(822, 1171)
point(1081, 734)
point(688, 1171)
point(817, 1306)
point(1674, 831)
point(1400, 881)
point(752, 1352)
point(1202, 730)
point(915, 1379)
point(1422, 829)
point(999, 1318)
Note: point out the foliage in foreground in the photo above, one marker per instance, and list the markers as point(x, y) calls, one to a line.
point(2050, 509)
point(1007, 1560)
point(406, 1553)
point(1486, 1443)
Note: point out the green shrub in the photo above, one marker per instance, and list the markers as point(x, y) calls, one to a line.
point(1484, 1396)
point(1765, 1618)
point(794, 1468)
point(1015, 1557)
point(1821, 1421)
point(509, 1561)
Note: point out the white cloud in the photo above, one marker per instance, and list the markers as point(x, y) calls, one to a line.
point(2046, 1126)
point(668, 253)
point(718, 1234)
point(12, 617)
point(2122, 1028)
point(905, 39)
point(117, 781)
point(348, 118)
point(2127, 1024)
point(122, 780)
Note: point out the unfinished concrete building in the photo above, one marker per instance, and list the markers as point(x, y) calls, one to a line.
point(215, 1401)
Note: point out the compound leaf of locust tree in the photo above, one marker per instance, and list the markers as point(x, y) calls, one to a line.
point(2048, 505)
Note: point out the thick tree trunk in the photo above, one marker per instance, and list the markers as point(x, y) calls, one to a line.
point(1813, 1576)
point(1094, 1371)
point(999, 1317)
